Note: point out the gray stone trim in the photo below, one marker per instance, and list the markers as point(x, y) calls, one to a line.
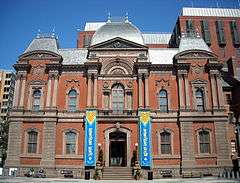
point(49, 140)
point(14, 144)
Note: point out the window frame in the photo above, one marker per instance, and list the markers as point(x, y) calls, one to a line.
point(67, 99)
point(201, 91)
point(119, 100)
point(72, 108)
point(64, 149)
point(169, 143)
point(199, 143)
point(166, 98)
point(34, 100)
point(26, 137)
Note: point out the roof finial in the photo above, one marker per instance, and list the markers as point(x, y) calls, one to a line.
point(109, 17)
point(126, 17)
point(39, 33)
point(53, 32)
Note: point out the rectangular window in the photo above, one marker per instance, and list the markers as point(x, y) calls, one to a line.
point(7, 82)
point(234, 33)
point(32, 142)
point(86, 41)
point(206, 32)
point(220, 32)
point(6, 89)
point(189, 26)
point(165, 143)
point(5, 96)
point(204, 138)
point(8, 75)
point(233, 147)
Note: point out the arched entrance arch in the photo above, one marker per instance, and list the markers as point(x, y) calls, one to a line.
point(115, 137)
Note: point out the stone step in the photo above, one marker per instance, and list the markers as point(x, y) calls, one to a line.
point(117, 173)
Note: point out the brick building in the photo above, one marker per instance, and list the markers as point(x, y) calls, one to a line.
point(122, 90)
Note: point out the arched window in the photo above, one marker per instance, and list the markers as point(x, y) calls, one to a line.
point(165, 142)
point(199, 100)
point(72, 100)
point(70, 142)
point(36, 100)
point(204, 141)
point(117, 98)
point(163, 101)
point(32, 142)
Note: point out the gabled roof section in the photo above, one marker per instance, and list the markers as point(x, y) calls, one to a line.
point(43, 44)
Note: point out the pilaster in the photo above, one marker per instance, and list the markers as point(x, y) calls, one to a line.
point(23, 86)
point(14, 144)
point(49, 140)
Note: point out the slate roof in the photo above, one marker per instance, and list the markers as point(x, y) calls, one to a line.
point(43, 43)
point(73, 56)
point(192, 43)
point(162, 55)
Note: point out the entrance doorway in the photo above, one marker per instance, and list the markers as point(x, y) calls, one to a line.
point(118, 149)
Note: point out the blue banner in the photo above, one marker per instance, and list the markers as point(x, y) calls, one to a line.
point(90, 137)
point(145, 138)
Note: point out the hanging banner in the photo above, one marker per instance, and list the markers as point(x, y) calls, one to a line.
point(90, 137)
point(145, 138)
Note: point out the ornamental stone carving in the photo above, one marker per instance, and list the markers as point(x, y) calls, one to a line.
point(197, 69)
point(38, 70)
point(105, 85)
point(162, 83)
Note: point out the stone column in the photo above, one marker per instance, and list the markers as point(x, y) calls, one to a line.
point(140, 96)
point(222, 144)
point(16, 92)
point(89, 90)
point(220, 92)
point(49, 139)
point(49, 88)
point(95, 91)
point(14, 144)
point(180, 91)
point(55, 92)
point(23, 86)
point(187, 143)
point(187, 102)
point(213, 88)
point(146, 92)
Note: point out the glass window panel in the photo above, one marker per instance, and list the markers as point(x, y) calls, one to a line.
point(70, 142)
point(32, 142)
point(118, 98)
point(204, 140)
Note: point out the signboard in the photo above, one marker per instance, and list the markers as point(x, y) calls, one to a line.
point(90, 137)
point(145, 138)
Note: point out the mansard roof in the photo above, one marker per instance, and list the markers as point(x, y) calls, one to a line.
point(43, 44)
point(192, 42)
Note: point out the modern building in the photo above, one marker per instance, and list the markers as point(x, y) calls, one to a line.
point(121, 90)
point(7, 81)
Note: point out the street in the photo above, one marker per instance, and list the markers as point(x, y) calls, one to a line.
point(58, 180)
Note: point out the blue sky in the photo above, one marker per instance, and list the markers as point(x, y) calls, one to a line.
point(20, 19)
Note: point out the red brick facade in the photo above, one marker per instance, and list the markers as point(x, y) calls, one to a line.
point(126, 64)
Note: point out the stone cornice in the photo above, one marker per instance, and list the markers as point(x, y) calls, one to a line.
point(22, 66)
point(213, 66)
point(161, 67)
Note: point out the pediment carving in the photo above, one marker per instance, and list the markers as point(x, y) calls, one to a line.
point(40, 55)
point(162, 83)
point(197, 69)
point(118, 43)
point(38, 70)
point(117, 67)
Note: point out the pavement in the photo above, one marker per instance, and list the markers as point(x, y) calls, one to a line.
point(58, 180)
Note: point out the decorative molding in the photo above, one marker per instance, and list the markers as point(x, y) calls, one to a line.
point(72, 81)
point(38, 70)
point(162, 83)
point(197, 69)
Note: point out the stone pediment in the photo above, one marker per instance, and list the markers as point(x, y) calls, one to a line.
point(118, 43)
point(40, 55)
point(195, 54)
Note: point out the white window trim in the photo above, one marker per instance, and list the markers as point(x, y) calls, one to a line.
point(77, 100)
